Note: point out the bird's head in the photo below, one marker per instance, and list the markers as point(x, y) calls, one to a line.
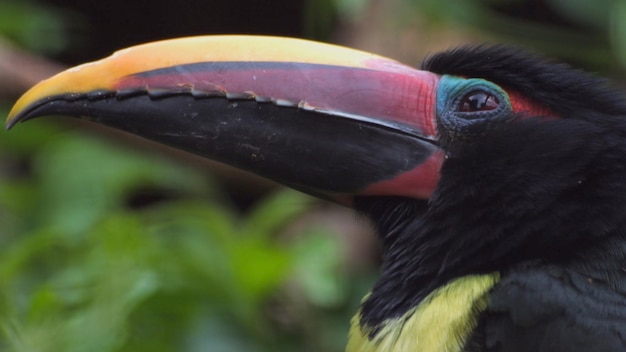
point(478, 160)
point(331, 121)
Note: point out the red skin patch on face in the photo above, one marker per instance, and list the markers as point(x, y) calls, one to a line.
point(529, 108)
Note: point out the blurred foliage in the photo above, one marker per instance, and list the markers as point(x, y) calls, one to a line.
point(37, 27)
point(319, 19)
point(589, 33)
point(88, 264)
point(83, 269)
point(106, 249)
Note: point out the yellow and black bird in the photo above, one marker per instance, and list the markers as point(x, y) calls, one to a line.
point(496, 179)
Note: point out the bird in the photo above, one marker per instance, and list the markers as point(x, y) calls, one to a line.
point(494, 177)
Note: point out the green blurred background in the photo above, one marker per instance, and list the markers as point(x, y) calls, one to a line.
point(112, 243)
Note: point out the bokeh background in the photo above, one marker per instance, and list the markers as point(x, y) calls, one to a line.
point(112, 243)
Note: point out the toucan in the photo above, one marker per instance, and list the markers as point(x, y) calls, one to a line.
point(495, 178)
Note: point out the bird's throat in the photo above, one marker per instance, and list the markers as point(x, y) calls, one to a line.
point(442, 322)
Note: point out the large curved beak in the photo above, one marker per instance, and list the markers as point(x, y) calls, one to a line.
point(324, 119)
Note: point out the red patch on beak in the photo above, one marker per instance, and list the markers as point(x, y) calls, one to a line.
point(419, 182)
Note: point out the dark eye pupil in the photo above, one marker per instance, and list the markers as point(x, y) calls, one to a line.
point(478, 101)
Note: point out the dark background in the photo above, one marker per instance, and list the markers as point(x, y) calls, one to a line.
point(116, 24)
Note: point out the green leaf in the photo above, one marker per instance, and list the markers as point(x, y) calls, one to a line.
point(82, 179)
point(317, 266)
point(275, 211)
point(36, 26)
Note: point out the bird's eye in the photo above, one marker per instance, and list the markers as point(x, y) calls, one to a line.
point(478, 100)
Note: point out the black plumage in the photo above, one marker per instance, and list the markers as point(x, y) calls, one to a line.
point(540, 200)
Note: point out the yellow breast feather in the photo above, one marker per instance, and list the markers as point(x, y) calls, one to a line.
point(441, 323)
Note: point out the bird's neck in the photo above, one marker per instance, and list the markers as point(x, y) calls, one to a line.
point(497, 206)
point(425, 252)
point(418, 261)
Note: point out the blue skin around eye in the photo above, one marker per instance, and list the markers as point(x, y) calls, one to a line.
point(452, 89)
